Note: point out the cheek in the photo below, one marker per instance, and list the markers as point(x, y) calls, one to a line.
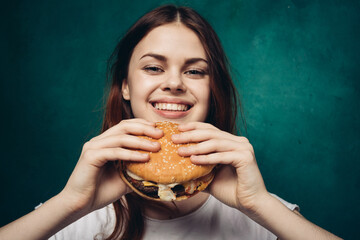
point(204, 92)
point(204, 100)
point(140, 86)
point(205, 95)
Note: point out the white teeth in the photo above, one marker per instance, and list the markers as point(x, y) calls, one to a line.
point(171, 106)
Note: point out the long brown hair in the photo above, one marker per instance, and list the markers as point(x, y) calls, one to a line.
point(223, 100)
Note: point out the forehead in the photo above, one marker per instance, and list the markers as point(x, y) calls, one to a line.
point(172, 40)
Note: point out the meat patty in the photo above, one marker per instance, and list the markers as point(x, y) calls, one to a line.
point(152, 191)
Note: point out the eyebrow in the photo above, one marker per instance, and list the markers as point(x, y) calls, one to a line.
point(164, 59)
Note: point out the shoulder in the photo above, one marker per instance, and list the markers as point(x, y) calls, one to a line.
point(94, 225)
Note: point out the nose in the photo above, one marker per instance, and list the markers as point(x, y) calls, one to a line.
point(174, 84)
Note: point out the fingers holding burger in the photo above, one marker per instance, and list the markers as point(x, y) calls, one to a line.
point(167, 176)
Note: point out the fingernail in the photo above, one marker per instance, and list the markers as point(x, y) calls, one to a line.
point(155, 144)
point(195, 158)
point(185, 150)
point(143, 155)
point(182, 149)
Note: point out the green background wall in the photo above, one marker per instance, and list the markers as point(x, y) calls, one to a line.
point(296, 64)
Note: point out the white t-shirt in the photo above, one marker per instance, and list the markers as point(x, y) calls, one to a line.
point(213, 220)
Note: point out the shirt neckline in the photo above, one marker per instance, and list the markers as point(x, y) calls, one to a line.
point(182, 218)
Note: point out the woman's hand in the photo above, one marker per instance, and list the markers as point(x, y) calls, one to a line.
point(238, 182)
point(95, 182)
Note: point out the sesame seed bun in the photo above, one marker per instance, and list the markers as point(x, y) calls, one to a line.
point(167, 167)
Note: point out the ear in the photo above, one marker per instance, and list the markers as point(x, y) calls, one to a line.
point(125, 90)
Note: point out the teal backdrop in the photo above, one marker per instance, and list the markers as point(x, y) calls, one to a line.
point(295, 63)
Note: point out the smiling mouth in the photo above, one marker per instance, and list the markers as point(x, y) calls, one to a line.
point(171, 107)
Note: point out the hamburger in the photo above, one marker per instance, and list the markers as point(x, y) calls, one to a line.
point(167, 176)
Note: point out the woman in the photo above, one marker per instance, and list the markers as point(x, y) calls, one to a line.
point(170, 57)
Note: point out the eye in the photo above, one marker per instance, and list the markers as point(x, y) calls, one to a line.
point(195, 73)
point(153, 69)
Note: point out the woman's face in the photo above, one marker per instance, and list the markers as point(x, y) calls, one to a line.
point(168, 76)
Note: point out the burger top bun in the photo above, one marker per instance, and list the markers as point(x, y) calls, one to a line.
point(167, 166)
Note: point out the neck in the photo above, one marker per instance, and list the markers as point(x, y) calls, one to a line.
point(177, 208)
